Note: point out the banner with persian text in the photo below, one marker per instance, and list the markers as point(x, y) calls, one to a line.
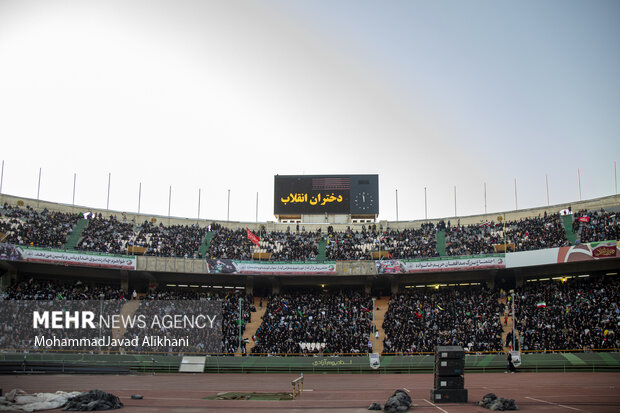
point(228, 266)
point(12, 252)
point(438, 265)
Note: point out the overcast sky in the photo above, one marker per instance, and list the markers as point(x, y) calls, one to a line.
point(222, 95)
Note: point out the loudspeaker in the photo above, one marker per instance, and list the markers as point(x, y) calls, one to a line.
point(449, 352)
point(449, 382)
point(449, 367)
point(449, 395)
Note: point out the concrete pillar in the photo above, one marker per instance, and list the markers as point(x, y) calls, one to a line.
point(275, 286)
point(249, 286)
point(394, 284)
point(519, 281)
point(367, 288)
point(6, 280)
point(124, 281)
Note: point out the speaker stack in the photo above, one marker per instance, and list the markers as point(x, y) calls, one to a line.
point(449, 380)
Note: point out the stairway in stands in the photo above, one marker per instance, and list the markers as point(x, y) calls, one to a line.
point(76, 234)
point(321, 256)
point(204, 247)
point(257, 319)
point(507, 327)
point(381, 307)
point(441, 242)
point(571, 235)
point(127, 311)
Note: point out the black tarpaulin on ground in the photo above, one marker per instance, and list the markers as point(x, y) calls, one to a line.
point(399, 402)
point(93, 400)
point(492, 402)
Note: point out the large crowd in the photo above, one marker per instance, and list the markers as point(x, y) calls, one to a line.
point(25, 226)
point(576, 314)
point(358, 245)
point(546, 231)
point(580, 314)
point(472, 239)
point(18, 333)
point(277, 245)
point(310, 322)
point(421, 319)
point(598, 225)
point(114, 235)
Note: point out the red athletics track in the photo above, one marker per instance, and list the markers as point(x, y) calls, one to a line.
point(533, 392)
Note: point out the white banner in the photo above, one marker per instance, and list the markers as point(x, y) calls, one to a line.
point(285, 268)
point(532, 258)
point(455, 264)
point(76, 258)
point(227, 266)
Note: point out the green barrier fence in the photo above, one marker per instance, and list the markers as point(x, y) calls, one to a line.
point(474, 363)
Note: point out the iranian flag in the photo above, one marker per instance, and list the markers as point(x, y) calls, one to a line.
point(252, 237)
point(541, 304)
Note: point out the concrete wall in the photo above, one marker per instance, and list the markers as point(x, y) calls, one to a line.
point(170, 264)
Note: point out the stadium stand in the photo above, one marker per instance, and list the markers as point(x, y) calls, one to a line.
point(280, 246)
point(576, 314)
point(25, 226)
point(423, 318)
point(580, 313)
point(408, 243)
point(112, 236)
point(50, 290)
point(311, 322)
point(599, 226)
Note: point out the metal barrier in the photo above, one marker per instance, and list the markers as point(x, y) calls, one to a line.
point(298, 385)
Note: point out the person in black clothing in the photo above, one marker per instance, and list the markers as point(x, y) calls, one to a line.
point(510, 365)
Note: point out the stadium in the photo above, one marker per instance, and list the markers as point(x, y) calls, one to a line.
point(309, 206)
point(351, 299)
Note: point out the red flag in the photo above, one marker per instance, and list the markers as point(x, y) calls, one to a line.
point(252, 237)
point(584, 219)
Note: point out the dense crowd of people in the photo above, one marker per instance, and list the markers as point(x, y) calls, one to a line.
point(25, 226)
point(536, 233)
point(112, 301)
point(406, 243)
point(114, 235)
point(472, 239)
point(60, 290)
point(597, 226)
point(279, 245)
point(546, 231)
point(579, 314)
point(421, 319)
point(576, 314)
point(339, 322)
point(17, 328)
point(108, 235)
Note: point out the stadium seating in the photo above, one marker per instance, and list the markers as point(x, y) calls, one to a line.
point(24, 226)
point(424, 318)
